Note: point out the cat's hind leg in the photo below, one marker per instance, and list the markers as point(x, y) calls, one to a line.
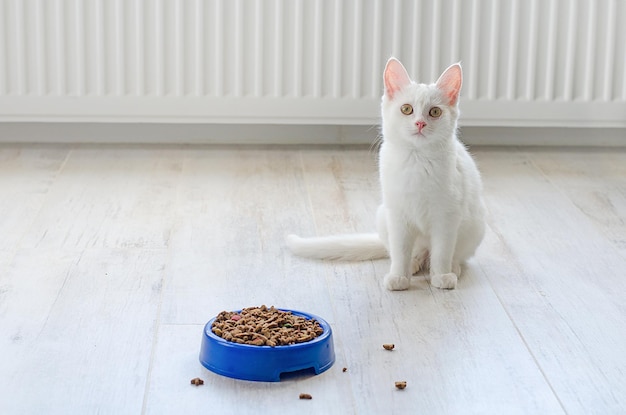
point(470, 235)
point(421, 256)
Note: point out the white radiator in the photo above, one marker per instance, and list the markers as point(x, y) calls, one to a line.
point(526, 62)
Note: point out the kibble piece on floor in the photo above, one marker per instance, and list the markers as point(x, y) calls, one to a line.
point(401, 384)
point(197, 381)
point(305, 396)
point(388, 346)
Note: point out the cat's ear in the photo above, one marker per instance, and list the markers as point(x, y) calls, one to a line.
point(450, 83)
point(395, 77)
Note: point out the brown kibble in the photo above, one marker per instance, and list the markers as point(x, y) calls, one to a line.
point(305, 396)
point(345, 369)
point(261, 326)
point(257, 342)
point(401, 384)
point(388, 346)
point(197, 381)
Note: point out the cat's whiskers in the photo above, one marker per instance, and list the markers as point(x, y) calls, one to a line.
point(375, 145)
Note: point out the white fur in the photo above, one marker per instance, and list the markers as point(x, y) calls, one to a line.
point(356, 247)
point(432, 212)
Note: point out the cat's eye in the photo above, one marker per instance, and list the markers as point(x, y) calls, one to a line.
point(406, 109)
point(435, 112)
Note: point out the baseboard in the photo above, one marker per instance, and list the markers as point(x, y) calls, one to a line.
point(186, 133)
point(544, 136)
point(289, 134)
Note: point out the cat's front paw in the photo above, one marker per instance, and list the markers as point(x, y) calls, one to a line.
point(396, 282)
point(444, 281)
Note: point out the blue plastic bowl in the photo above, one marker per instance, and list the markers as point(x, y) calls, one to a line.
point(265, 363)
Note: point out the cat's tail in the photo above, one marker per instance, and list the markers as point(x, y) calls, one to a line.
point(356, 247)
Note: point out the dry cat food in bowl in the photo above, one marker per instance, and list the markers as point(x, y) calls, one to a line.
point(261, 343)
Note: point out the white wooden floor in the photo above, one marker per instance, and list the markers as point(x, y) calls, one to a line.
point(112, 258)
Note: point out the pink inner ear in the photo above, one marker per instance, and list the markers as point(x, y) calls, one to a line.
point(395, 77)
point(450, 83)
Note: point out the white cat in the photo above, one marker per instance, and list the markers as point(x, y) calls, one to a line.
point(432, 211)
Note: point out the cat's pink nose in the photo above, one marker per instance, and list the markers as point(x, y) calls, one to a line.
point(420, 126)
